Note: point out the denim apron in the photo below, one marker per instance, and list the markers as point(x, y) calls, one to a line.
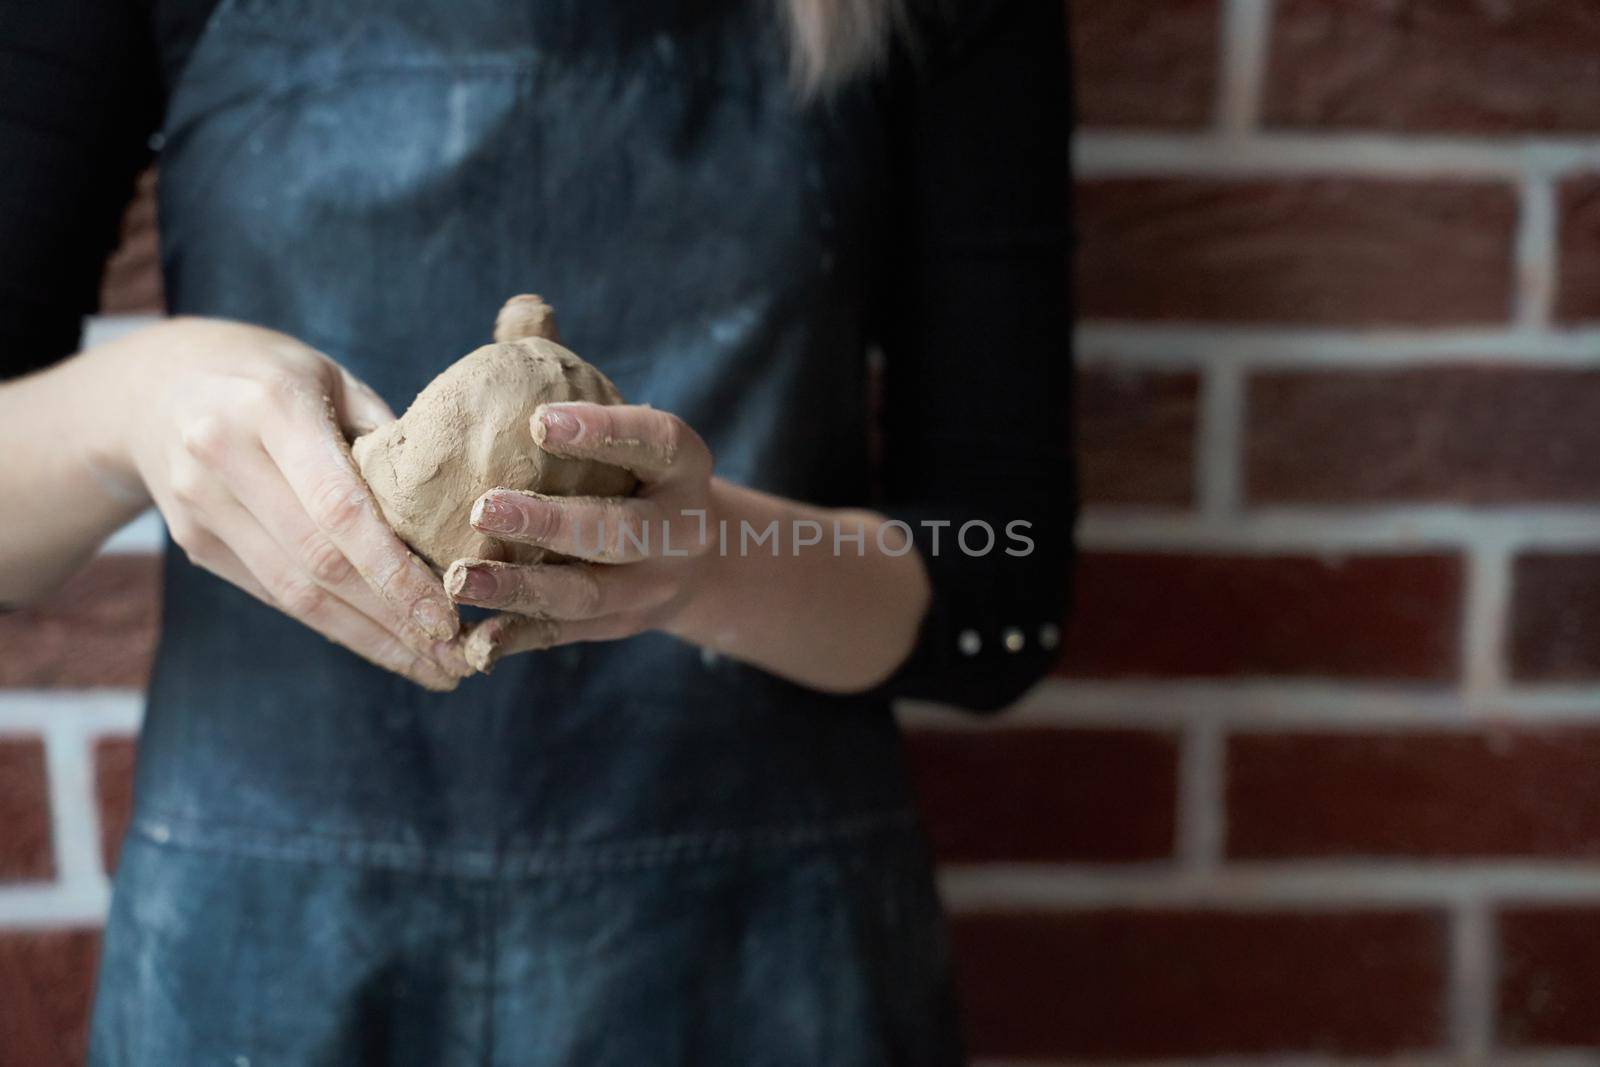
point(623, 853)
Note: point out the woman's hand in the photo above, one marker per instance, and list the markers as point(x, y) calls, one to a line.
point(640, 559)
point(239, 436)
point(675, 557)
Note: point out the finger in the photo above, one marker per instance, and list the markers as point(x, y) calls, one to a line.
point(503, 635)
point(272, 504)
point(657, 446)
point(566, 591)
point(252, 560)
point(487, 642)
point(206, 551)
point(358, 406)
point(600, 529)
point(315, 460)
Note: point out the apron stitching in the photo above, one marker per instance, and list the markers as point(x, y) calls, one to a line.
point(572, 858)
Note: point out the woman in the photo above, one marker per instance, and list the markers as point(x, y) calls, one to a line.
point(680, 831)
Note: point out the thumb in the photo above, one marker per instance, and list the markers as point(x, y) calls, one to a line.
point(359, 408)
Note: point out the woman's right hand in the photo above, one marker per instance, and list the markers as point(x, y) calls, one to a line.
point(238, 434)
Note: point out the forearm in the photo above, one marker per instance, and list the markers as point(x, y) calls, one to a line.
point(64, 486)
point(838, 621)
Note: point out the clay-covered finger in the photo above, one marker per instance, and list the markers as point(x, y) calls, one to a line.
point(315, 460)
point(655, 445)
point(503, 635)
point(566, 591)
point(599, 529)
point(345, 626)
point(275, 579)
point(217, 558)
point(273, 505)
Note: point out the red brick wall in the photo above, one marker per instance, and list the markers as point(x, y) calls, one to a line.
point(1317, 776)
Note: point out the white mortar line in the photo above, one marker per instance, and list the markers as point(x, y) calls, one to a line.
point(1472, 980)
point(1245, 29)
point(47, 906)
point(1202, 815)
point(1485, 622)
point(146, 535)
point(69, 721)
point(1279, 705)
point(1287, 885)
point(1195, 344)
point(98, 329)
point(75, 824)
point(1536, 253)
point(1332, 532)
point(1218, 457)
point(1102, 154)
point(95, 712)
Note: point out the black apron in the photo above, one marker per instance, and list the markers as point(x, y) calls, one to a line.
point(625, 853)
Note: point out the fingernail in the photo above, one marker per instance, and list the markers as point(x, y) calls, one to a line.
point(495, 514)
point(477, 583)
point(437, 621)
point(560, 427)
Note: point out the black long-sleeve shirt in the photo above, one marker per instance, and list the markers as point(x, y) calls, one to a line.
point(976, 327)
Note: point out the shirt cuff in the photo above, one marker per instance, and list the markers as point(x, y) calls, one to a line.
point(994, 624)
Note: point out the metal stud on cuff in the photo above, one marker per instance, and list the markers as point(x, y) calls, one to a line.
point(1013, 639)
point(969, 642)
point(1049, 635)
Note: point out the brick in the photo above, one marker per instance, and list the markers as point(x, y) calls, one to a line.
point(26, 854)
point(131, 283)
point(1136, 435)
point(1555, 615)
point(1360, 616)
point(1549, 970)
point(1297, 251)
point(1422, 794)
point(1150, 63)
point(1046, 795)
point(1434, 66)
point(1456, 434)
point(46, 982)
point(1138, 984)
point(1578, 294)
point(113, 786)
point(98, 630)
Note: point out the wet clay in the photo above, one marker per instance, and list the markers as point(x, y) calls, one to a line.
point(468, 432)
point(526, 316)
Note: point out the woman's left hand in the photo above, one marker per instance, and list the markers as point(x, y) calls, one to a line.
point(800, 607)
point(637, 560)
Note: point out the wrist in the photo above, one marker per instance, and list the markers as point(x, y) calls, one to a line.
point(109, 388)
point(694, 617)
point(837, 619)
